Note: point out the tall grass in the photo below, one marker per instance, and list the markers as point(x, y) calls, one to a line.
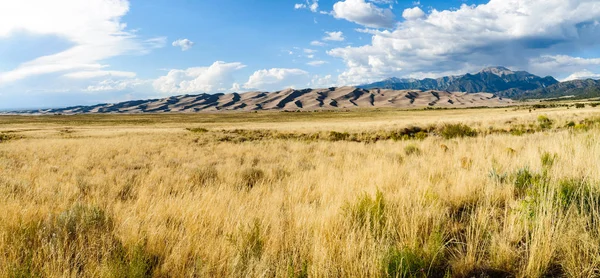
point(114, 201)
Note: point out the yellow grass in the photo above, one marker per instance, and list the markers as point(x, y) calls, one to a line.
point(114, 196)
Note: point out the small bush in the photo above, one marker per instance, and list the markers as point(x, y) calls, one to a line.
point(525, 181)
point(544, 122)
point(197, 129)
point(204, 176)
point(5, 137)
point(412, 150)
point(449, 131)
point(338, 136)
point(579, 105)
point(579, 193)
point(251, 177)
point(570, 124)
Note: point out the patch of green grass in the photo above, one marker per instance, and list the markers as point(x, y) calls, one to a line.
point(197, 129)
point(548, 159)
point(367, 213)
point(544, 122)
point(404, 263)
point(449, 131)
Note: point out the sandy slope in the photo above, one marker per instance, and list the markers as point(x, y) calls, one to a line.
point(293, 100)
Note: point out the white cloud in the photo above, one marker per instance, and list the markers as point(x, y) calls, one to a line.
point(111, 85)
point(217, 77)
point(585, 74)
point(100, 73)
point(316, 63)
point(309, 51)
point(185, 44)
point(312, 6)
point(94, 28)
point(413, 13)
point(326, 81)
point(363, 13)
point(317, 43)
point(334, 36)
point(501, 32)
point(276, 79)
point(549, 62)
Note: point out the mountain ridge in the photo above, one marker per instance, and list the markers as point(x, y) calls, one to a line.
point(498, 80)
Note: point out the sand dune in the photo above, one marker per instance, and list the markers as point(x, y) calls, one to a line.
point(294, 100)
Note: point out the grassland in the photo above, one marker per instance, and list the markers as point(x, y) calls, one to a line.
point(442, 193)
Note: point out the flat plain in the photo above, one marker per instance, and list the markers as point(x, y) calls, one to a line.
point(498, 192)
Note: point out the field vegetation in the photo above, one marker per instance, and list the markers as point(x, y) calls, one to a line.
point(369, 193)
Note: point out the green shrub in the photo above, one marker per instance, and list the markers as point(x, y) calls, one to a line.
point(579, 193)
point(544, 122)
point(197, 129)
point(449, 131)
point(579, 105)
point(5, 137)
point(548, 159)
point(525, 181)
point(367, 213)
point(338, 136)
point(570, 124)
point(412, 150)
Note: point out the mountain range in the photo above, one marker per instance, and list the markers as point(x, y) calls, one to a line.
point(493, 86)
point(498, 80)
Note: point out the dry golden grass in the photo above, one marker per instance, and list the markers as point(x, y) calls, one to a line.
point(114, 196)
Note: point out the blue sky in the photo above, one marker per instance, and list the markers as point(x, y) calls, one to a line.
point(69, 52)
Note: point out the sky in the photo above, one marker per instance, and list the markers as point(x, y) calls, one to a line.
point(72, 52)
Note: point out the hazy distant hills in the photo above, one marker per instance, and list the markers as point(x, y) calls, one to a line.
point(292, 100)
point(498, 80)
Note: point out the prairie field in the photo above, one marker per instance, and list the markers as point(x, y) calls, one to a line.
point(502, 192)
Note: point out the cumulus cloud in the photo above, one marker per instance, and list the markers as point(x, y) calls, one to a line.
point(317, 43)
point(319, 81)
point(585, 74)
point(364, 13)
point(299, 6)
point(557, 64)
point(276, 79)
point(509, 33)
point(334, 36)
point(217, 77)
point(413, 13)
point(185, 44)
point(94, 28)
